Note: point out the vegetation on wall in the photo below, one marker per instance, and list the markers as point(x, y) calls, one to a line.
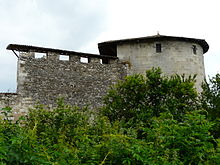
point(149, 119)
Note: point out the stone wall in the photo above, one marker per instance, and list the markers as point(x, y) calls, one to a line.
point(8, 99)
point(19, 105)
point(45, 79)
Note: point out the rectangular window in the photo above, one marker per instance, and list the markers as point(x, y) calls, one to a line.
point(158, 48)
point(84, 59)
point(194, 49)
point(64, 58)
point(39, 55)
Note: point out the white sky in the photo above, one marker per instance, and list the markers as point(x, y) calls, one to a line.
point(79, 25)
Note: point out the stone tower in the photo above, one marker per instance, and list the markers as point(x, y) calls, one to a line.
point(174, 55)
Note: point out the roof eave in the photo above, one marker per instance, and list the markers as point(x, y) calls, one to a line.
point(27, 48)
point(201, 42)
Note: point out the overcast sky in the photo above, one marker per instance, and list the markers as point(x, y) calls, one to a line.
point(79, 25)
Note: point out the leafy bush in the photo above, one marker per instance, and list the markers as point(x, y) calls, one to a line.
point(146, 120)
point(187, 142)
point(140, 98)
point(210, 100)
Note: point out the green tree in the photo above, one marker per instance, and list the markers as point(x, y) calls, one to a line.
point(187, 142)
point(140, 98)
point(146, 120)
point(210, 99)
point(164, 112)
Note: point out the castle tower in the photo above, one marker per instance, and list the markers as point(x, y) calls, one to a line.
point(174, 55)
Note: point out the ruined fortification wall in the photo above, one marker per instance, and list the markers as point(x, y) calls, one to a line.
point(43, 80)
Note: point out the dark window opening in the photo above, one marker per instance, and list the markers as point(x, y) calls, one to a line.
point(105, 61)
point(194, 49)
point(158, 48)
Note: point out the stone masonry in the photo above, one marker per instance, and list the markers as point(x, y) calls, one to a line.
point(81, 84)
point(84, 83)
point(174, 55)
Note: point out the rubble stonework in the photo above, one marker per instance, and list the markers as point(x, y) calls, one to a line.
point(8, 99)
point(43, 80)
point(81, 84)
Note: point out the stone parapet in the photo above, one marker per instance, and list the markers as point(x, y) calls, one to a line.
point(79, 83)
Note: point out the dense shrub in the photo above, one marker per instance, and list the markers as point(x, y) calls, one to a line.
point(141, 98)
point(210, 100)
point(187, 142)
point(146, 120)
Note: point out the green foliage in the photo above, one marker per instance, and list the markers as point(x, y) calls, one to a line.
point(45, 137)
point(140, 98)
point(15, 144)
point(63, 120)
point(187, 142)
point(210, 100)
point(150, 120)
